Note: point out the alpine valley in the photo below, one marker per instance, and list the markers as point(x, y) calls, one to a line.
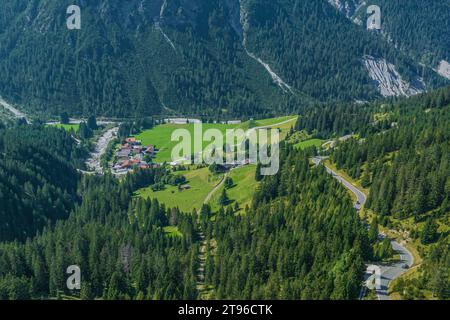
point(98, 201)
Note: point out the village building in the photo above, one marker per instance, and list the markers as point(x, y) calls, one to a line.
point(131, 155)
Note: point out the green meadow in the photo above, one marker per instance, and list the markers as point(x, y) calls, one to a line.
point(67, 127)
point(309, 143)
point(243, 189)
point(160, 136)
point(201, 182)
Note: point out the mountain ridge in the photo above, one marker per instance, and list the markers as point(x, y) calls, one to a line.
point(222, 58)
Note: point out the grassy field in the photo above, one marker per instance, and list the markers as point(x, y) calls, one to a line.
point(243, 189)
point(67, 127)
point(160, 136)
point(272, 121)
point(309, 143)
point(173, 232)
point(201, 182)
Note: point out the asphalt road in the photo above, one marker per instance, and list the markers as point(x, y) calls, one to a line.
point(360, 196)
point(393, 271)
point(387, 273)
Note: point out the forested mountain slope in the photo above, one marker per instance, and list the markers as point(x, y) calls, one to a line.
point(316, 240)
point(301, 239)
point(419, 28)
point(401, 152)
point(223, 58)
point(38, 182)
point(120, 246)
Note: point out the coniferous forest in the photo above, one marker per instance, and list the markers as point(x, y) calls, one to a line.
point(402, 156)
point(363, 180)
point(38, 180)
point(133, 58)
point(301, 239)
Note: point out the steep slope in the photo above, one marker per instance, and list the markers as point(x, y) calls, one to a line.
point(219, 58)
point(130, 58)
point(389, 81)
point(38, 180)
point(416, 27)
point(321, 53)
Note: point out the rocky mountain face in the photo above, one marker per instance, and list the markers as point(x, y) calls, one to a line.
point(389, 81)
point(224, 58)
point(421, 29)
point(349, 8)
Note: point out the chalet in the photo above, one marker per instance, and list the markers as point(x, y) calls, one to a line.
point(117, 167)
point(136, 150)
point(150, 149)
point(131, 155)
point(126, 164)
point(124, 153)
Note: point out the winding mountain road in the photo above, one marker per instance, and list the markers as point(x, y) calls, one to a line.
point(386, 273)
point(393, 271)
point(360, 196)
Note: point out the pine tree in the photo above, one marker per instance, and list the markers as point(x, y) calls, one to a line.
point(373, 231)
point(430, 232)
point(228, 183)
point(64, 118)
point(258, 175)
point(92, 123)
point(223, 199)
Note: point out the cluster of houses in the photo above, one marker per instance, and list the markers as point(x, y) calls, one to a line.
point(132, 155)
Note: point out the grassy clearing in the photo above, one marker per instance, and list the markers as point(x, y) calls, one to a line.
point(67, 127)
point(201, 182)
point(173, 232)
point(309, 143)
point(381, 116)
point(242, 192)
point(161, 135)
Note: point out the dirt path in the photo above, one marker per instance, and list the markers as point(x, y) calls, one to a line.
point(203, 290)
point(217, 187)
point(201, 286)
